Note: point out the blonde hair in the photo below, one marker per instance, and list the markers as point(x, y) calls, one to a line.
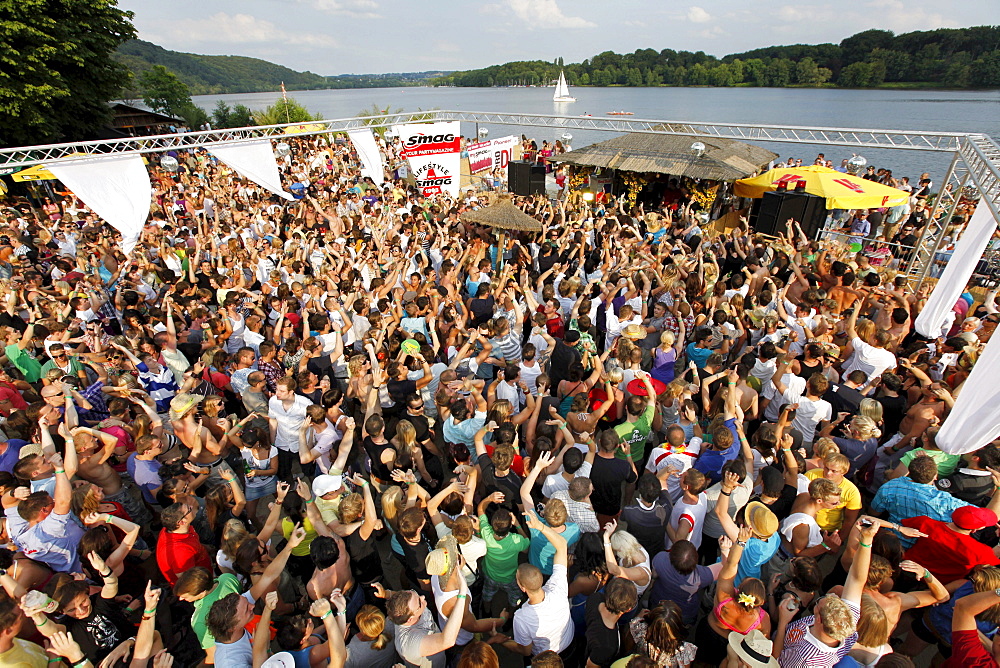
point(866, 330)
point(871, 408)
point(371, 622)
point(987, 578)
point(667, 339)
point(616, 375)
point(836, 617)
point(233, 535)
point(351, 508)
point(555, 513)
point(626, 548)
point(824, 447)
point(864, 427)
point(393, 502)
point(406, 434)
point(837, 460)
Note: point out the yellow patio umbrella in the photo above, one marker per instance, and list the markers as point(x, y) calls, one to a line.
point(36, 173)
point(841, 191)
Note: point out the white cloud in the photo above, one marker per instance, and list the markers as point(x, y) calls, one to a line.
point(222, 28)
point(894, 15)
point(546, 14)
point(360, 9)
point(696, 14)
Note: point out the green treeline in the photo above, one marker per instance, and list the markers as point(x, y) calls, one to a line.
point(212, 75)
point(947, 58)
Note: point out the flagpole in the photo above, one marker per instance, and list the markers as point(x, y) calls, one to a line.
point(284, 96)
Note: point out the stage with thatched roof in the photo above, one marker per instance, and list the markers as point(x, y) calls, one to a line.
point(720, 160)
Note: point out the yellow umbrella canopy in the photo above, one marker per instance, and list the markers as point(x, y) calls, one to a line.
point(36, 173)
point(841, 191)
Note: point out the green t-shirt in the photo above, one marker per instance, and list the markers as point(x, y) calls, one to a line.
point(501, 555)
point(75, 367)
point(225, 584)
point(946, 463)
point(635, 434)
point(24, 362)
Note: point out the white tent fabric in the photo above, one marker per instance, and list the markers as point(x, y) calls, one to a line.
point(254, 160)
point(116, 187)
point(956, 274)
point(973, 421)
point(371, 157)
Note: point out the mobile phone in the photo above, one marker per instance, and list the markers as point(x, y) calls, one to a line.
point(866, 523)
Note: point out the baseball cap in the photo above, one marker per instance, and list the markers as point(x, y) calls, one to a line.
point(324, 484)
point(972, 518)
point(279, 660)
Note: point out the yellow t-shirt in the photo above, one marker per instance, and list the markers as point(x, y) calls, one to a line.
point(328, 509)
point(302, 549)
point(24, 654)
point(850, 499)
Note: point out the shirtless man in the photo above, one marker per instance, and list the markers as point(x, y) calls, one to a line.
point(94, 449)
point(931, 409)
point(205, 450)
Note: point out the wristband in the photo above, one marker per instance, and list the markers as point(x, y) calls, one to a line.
point(724, 493)
point(107, 575)
point(462, 596)
point(81, 662)
point(340, 613)
point(45, 620)
point(364, 483)
point(149, 612)
point(325, 615)
point(864, 544)
point(107, 520)
point(927, 575)
point(311, 500)
point(58, 471)
point(825, 546)
point(741, 543)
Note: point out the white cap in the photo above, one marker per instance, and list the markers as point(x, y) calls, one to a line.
point(279, 660)
point(324, 484)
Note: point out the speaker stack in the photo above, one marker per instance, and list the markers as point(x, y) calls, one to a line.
point(770, 213)
point(525, 178)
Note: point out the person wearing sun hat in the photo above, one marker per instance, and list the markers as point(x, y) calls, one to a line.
point(764, 542)
point(948, 548)
point(752, 650)
point(329, 491)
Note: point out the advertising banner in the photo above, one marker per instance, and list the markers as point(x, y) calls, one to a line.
point(437, 174)
point(491, 154)
point(419, 139)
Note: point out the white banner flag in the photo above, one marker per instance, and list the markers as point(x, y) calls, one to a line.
point(371, 158)
point(935, 313)
point(973, 422)
point(491, 154)
point(253, 160)
point(116, 187)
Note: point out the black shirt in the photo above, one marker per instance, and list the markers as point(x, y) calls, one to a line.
point(603, 644)
point(607, 476)
point(843, 399)
point(101, 631)
point(893, 412)
point(509, 484)
point(400, 389)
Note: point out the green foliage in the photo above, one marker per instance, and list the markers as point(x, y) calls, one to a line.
point(374, 123)
point(948, 57)
point(239, 116)
point(282, 111)
point(58, 74)
point(207, 75)
point(162, 91)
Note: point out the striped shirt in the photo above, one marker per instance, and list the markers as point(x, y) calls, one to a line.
point(161, 386)
point(510, 344)
point(803, 649)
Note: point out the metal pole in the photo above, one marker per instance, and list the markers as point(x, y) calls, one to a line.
point(927, 234)
point(925, 270)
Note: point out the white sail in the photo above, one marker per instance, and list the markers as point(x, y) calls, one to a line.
point(562, 90)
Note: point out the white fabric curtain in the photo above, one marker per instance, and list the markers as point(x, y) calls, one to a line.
point(371, 157)
point(254, 160)
point(973, 421)
point(956, 274)
point(116, 187)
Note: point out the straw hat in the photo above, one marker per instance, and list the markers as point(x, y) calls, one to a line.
point(634, 332)
point(761, 519)
point(754, 649)
point(182, 403)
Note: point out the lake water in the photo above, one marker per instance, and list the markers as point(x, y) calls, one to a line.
point(945, 111)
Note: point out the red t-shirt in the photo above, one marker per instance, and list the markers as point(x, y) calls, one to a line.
point(179, 552)
point(967, 651)
point(945, 553)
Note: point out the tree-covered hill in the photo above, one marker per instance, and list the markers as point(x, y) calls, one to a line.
point(946, 58)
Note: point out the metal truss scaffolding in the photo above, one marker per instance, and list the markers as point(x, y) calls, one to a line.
point(975, 164)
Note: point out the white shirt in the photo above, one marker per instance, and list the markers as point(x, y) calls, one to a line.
point(809, 414)
point(873, 361)
point(682, 460)
point(794, 386)
point(546, 625)
point(693, 513)
point(289, 421)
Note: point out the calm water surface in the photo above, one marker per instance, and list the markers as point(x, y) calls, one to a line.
point(948, 111)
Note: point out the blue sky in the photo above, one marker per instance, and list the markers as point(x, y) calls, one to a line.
point(364, 36)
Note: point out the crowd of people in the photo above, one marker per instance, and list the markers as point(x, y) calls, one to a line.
point(356, 430)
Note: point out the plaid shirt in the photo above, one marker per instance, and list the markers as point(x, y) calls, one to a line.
point(581, 514)
point(273, 372)
point(95, 396)
point(902, 499)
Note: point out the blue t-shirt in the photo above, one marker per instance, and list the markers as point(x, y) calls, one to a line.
point(541, 551)
point(698, 355)
point(940, 615)
point(11, 455)
point(757, 553)
point(710, 462)
point(145, 472)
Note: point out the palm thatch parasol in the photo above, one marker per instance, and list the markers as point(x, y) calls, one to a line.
point(502, 215)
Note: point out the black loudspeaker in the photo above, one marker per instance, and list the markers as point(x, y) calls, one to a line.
point(525, 178)
point(775, 208)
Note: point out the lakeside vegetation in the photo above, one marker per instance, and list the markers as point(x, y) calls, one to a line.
point(945, 58)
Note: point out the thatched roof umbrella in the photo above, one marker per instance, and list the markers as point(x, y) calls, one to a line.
point(503, 215)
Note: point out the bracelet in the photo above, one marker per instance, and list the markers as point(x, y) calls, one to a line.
point(149, 612)
point(864, 544)
point(107, 520)
point(927, 575)
point(45, 620)
point(741, 543)
point(325, 615)
point(364, 483)
point(58, 471)
point(462, 596)
point(340, 613)
point(107, 575)
point(81, 662)
point(311, 500)
point(724, 493)
point(825, 546)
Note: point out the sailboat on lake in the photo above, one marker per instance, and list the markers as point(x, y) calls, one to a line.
point(562, 90)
